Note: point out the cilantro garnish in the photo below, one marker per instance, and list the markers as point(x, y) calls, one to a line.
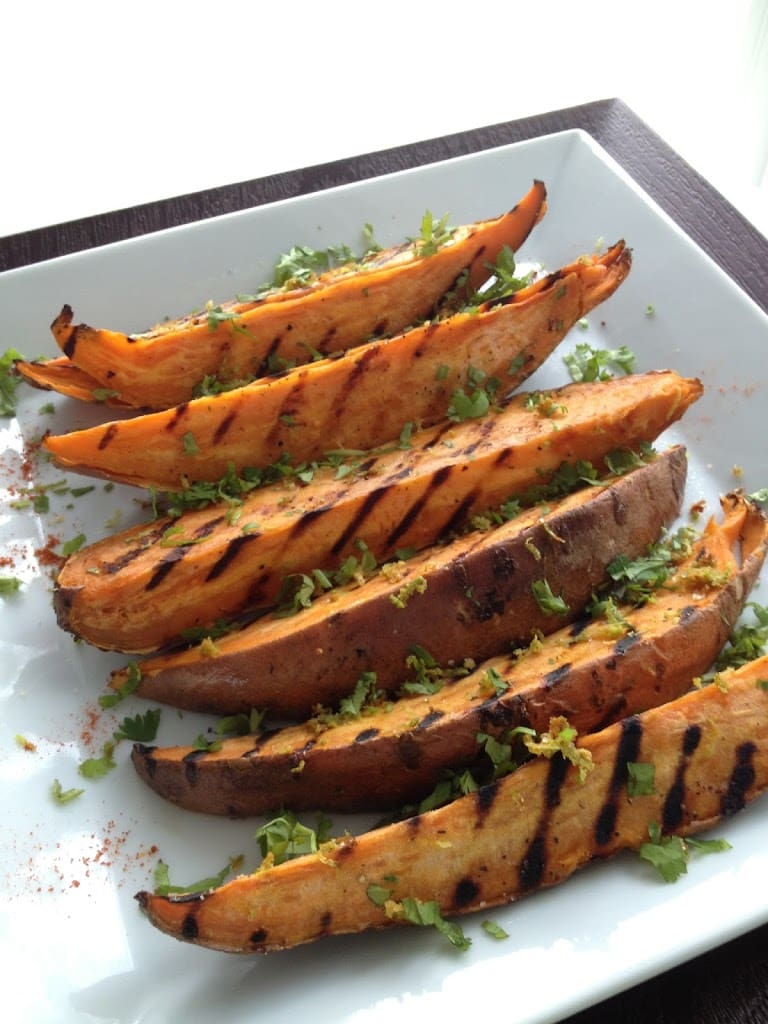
point(139, 728)
point(549, 603)
point(494, 930)
point(670, 854)
point(131, 684)
point(69, 547)
point(476, 399)
point(641, 776)
point(586, 363)
point(285, 837)
point(427, 914)
point(9, 382)
point(64, 796)
point(433, 234)
point(747, 642)
point(9, 585)
point(163, 886)
point(98, 767)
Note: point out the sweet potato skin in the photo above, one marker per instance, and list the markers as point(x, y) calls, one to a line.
point(136, 592)
point(477, 602)
point(396, 756)
point(160, 368)
point(530, 830)
point(328, 404)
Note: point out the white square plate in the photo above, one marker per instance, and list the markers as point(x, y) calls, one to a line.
point(73, 944)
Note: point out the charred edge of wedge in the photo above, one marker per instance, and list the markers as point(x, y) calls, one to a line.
point(396, 755)
point(481, 584)
point(530, 830)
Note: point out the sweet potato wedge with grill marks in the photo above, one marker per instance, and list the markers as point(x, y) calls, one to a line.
point(343, 307)
point(358, 401)
point(477, 602)
point(138, 590)
point(61, 375)
point(527, 831)
point(397, 754)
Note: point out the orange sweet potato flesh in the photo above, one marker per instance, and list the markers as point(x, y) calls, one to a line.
point(61, 375)
point(477, 601)
point(358, 401)
point(396, 287)
point(138, 590)
point(398, 754)
point(527, 831)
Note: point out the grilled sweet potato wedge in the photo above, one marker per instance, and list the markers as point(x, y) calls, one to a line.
point(329, 404)
point(343, 307)
point(595, 675)
point(61, 375)
point(476, 600)
point(138, 590)
point(529, 830)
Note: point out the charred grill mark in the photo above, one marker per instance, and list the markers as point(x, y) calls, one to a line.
point(362, 365)
point(438, 435)
point(366, 734)
point(534, 863)
point(624, 644)
point(557, 675)
point(178, 414)
point(466, 892)
point(502, 563)
point(223, 427)
point(413, 825)
point(486, 428)
point(580, 625)
point(408, 750)
point(687, 613)
point(190, 765)
point(484, 799)
point(147, 756)
point(430, 718)
point(259, 937)
point(459, 514)
point(107, 437)
point(259, 742)
point(189, 927)
point(307, 518)
point(264, 365)
point(437, 481)
point(741, 780)
point(672, 811)
point(120, 563)
point(230, 554)
point(166, 565)
point(628, 750)
point(359, 518)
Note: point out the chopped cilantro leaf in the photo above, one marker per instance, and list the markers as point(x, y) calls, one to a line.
point(98, 767)
point(494, 930)
point(9, 585)
point(284, 837)
point(427, 914)
point(64, 796)
point(9, 382)
point(550, 604)
point(163, 886)
point(586, 363)
point(641, 778)
point(139, 728)
point(669, 854)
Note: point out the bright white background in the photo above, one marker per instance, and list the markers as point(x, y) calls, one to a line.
point(107, 105)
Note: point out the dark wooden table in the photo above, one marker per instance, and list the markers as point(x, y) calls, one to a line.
point(728, 985)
